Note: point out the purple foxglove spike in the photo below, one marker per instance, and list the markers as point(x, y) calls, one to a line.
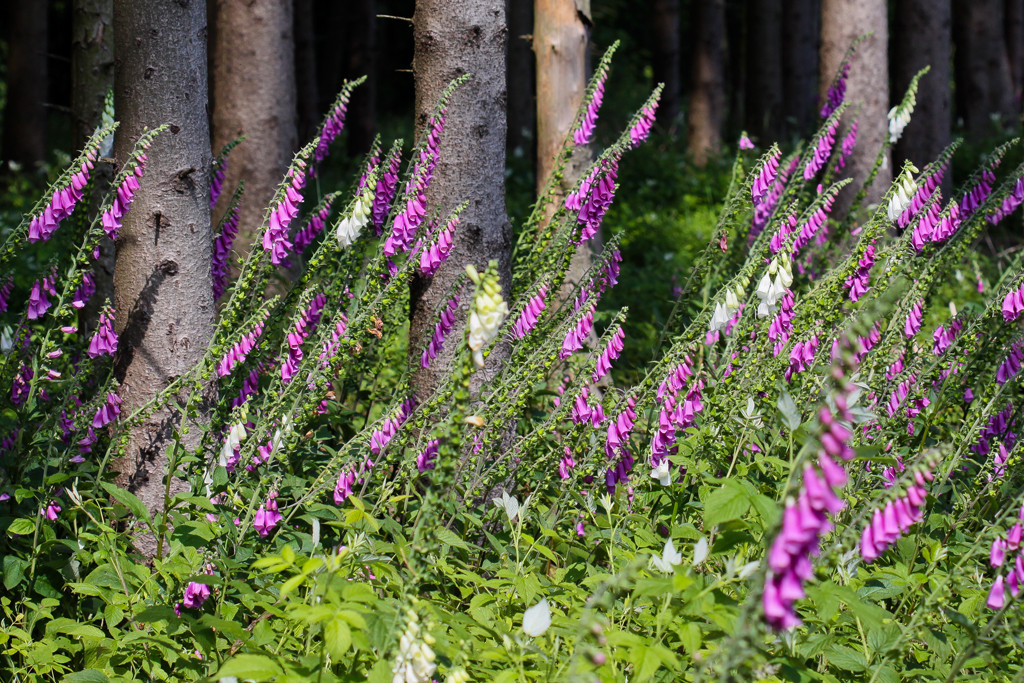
point(1010, 202)
point(1013, 304)
point(220, 170)
point(305, 236)
point(766, 178)
point(222, 251)
point(822, 151)
point(813, 224)
point(947, 225)
point(441, 330)
point(38, 302)
point(267, 516)
point(432, 258)
point(343, 489)
point(105, 339)
point(997, 596)
point(577, 335)
point(107, 412)
point(642, 128)
point(836, 93)
point(5, 293)
point(610, 353)
point(582, 135)
point(914, 319)
point(84, 291)
point(786, 228)
point(20, 385)
point(745, 142)
point(858, 283)
point(425, 460)
point(531, 314)
point(846, 148)
point(331, 129)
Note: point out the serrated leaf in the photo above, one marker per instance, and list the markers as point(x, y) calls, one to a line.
point(337, 638)
point(730, 501)
point(448, 537)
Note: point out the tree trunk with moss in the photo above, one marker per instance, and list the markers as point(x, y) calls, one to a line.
point(162, 279)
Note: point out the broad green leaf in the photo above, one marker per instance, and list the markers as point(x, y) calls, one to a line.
point(21, 527)
point(130, 501)
point(337, 638)
point(730, 501)
point(86, 676)
point(448, 537)
point(14, 571)
point(788, 410)
point(256, 667)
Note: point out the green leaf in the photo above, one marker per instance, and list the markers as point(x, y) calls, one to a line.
point(730, 501)
point(690, 637)
point(846, 658)
point(86, 676)
point(21, 527)
point(14, 571)
point(450, 538)
point(130, 501)
point(788, 410)
point(337, 638)
point(256, 667)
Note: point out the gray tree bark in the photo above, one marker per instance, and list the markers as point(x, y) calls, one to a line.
point(24, 134)
point(764, 70)
point(926, 27)
point(92, 76)
point(452, 38)
point(984, 85)
point(162, 280)
point(842, 22)
point(667, 63)
point(253, 93)
point(801, 21)
point(707, 81)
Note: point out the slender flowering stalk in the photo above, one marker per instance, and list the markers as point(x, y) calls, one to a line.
point(1010, 202)
point(976, 196)
point(813, 224)
point(1010, 366)
point(441, 330)
point(408, 221)
point(222, 245)
point(275, 239)
point(611, 351)
point(425, 461)
point(578, 334)
point(1013, 304)
point(267, 516)
point(593, 197)
point(642, 128)
point(219, 170)
point(906, 190)
point(925, 227)
point(238, 353)
point(801, 357)
point(113, 216)
point(304, 326)
point(343, 489)
point(847, 145)
point(527, 320)
point(331, 348)
point(822, 150)
point(433, 256)
point(38, 301)
point(381, 437)
point(107, 412)
point(104, 341)
point(858, 283)
point(334, 122)
point(913, 324)
point(585, 131)
point(317, 221)
point(766, 178)
point(944, 336)
point(8, 286)
point(892, 521)
point(488, 312)
point(384, 192)
point(836, 92)
point(84, 292)
point(63, 201)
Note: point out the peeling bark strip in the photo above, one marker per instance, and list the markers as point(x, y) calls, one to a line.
point(163, 292)
point(456, 37)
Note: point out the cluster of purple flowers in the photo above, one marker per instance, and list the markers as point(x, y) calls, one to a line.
point(977, 195)
point(616, 446)
point(427, 457)
point(433, 256)
point(331, 347)
point(821, 151)
point(316, 223)
point(20, 385)
point(38, 302)
point(805, 521)
point(913, 323)
point(1010, 366)
point(766, 178)
point(578, 334)
point(926, 188)
point(782, 324)
point(611, 351)
point(836, 92)
point(847, 145)
point(238, 353)
point(112, 217)
point(999, 427)
point(221, 251)
point(332, 126)
point(275, 239)
point(813, 224)
point(566, 464)
point(924, 230)
point(889, 523)
point(104, 341)
point(765, 207)
point(62, 203)
point(384, 193)
point(84, 292)
point(217, 175)
point(1010, 202)
point(1013, 304)
point(444, 325)
point(944, 336)
point(107, 412)
point(801, 356)
point(403, 231)
point(678, 411)
point(381, 437)
point(583, 413)
point(304, 326)
point(585, 132)
point(998, 557)
point(642, 128)
point(858, 283)
point(594, 196)
point(5, 293)
point(343, 489)
point(527, 320)
point(267, 516)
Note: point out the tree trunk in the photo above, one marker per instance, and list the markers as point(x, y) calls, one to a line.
point(92, 76)
point(665, 34)
point(984, 86)
point(162, 282)
point(522, 120)
point(362, 61)
point(926, 40)
point(24, 135)
point(253, 93)
point(307, 94)
point(560, 39)
point(1014, 36)
point(801, 21)
point(455, 37)
point(842, 22)
point(707, 99)
point(764, 70)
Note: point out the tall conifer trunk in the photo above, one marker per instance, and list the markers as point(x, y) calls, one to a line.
point(24, 134)
point(707, 81)
point(162, 280)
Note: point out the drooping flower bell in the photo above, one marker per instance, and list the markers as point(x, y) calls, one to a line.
point(267, 516)
point(528, 319)
point(444, 325)
point(63, 201)
point(104, 341)
point(488, 312)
